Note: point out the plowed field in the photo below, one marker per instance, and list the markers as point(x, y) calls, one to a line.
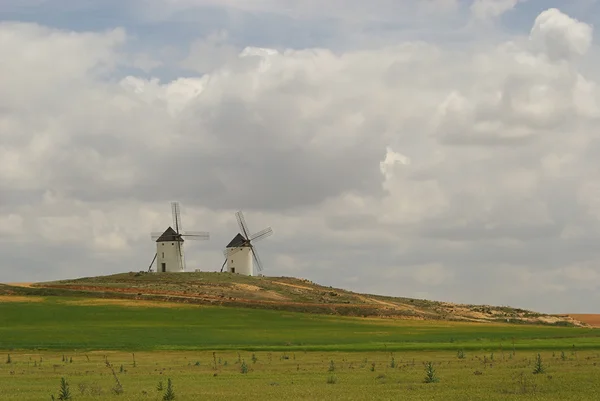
point(591, 319)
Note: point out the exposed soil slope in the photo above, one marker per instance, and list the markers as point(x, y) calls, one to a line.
point(281, 293)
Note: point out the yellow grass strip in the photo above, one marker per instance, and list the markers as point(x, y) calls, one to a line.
point(129, 303)
point(19, 298)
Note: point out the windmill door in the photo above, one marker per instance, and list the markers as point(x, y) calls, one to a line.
point(163, 267)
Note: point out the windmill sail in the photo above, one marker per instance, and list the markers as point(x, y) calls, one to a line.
point(244, 241)
point(171, 258)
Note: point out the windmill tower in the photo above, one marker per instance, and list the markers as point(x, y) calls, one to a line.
point(240, 252)
point(169, 244)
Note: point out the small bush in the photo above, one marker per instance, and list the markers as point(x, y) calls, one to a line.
point(331, 366)
point(430, 375)
point(169, 393)
point(8, 359)
point(244, 367)
point(65, 392)
point(539, 367)
point(460, 354)
point(331, 380)
point(254, 358)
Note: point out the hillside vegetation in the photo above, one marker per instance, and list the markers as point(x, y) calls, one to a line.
point(278, 293)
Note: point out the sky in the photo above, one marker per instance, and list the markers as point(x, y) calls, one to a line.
point(440, 149)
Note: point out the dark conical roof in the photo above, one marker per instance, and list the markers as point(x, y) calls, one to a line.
point(237, 242)
point(169, 235)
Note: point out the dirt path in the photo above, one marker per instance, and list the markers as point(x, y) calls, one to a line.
point(384, 303)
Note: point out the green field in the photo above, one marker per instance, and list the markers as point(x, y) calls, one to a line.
point(58, 324)
point(50, 338)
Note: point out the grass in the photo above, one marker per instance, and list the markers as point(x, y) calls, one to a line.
point(303, 376)
point(221, 353)
point(57, 323)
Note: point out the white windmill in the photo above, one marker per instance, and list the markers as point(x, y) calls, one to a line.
point(240, 252)
point(169, 244)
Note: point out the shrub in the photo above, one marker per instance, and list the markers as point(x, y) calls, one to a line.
point(539, 367)
point(430, 375)
point(169, 393)
point(65, 392)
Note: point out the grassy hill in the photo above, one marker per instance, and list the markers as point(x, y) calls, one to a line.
point(278, 293)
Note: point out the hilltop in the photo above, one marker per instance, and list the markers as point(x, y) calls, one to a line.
point(277, 293)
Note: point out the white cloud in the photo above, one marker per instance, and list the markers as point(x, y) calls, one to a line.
point(415, 168)
point(559, 36)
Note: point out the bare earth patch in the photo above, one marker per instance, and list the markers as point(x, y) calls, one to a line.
point(293, 285)
point(591, 319)
point(20, 284)
point(247, 287)
point(264, 294)
point(130, 303)
point(19, 298)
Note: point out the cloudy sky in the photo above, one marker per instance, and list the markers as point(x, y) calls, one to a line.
point(441, 149)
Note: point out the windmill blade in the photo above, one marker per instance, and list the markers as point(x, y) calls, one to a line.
point(181, 258)
point(242, 223)
point(262, 234)
point(223, 265)
point(151, 263)
point(196, 235)
point(175, 210)
point(256, 259)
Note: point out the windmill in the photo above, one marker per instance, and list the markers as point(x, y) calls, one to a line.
point(169, 244)
point(240, 252)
